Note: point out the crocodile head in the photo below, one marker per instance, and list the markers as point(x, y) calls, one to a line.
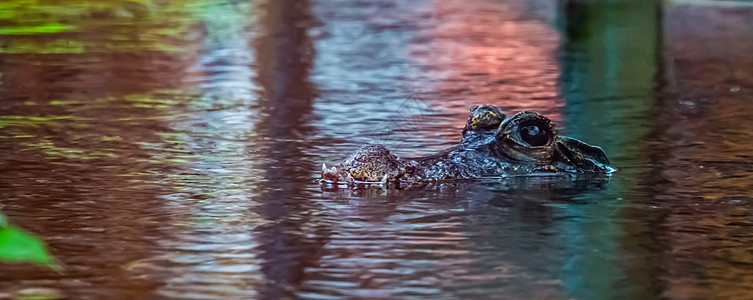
point(527, 141)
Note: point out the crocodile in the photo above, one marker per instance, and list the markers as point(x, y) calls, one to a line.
point(492, 145)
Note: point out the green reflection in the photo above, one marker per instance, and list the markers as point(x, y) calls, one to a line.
point(46, 28)
point(50, 150)
point(59, 46)
point(609, 61)
point(87, 142)
point(81, 26)
point(29, 121)
point(17, 246)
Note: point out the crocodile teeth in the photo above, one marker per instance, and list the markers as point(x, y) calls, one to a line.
point(324, 167)
point(350, 179)
point(384, 180)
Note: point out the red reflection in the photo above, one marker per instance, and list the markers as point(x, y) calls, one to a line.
point(488, 52)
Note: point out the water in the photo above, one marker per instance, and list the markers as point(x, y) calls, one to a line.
point(169, 149)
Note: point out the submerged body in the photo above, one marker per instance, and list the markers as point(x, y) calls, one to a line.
point(492, 146)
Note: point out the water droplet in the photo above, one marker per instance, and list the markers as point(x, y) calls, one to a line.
point(734, 89)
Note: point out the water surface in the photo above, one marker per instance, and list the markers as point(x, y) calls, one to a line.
point(168, 149)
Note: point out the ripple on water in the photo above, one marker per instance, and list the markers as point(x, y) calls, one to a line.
point(169, 149)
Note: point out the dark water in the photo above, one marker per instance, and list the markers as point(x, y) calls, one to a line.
point(168, 149)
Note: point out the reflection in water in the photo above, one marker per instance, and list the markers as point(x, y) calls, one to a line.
point(490, 52)
point(450, 240)
point(168, 149)
point(75, 163)
point(292, 239)
point(609, 59)
point(702, 154)
point(362, 70)
point(214, 252)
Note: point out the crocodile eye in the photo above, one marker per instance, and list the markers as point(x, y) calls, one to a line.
point(535, 135)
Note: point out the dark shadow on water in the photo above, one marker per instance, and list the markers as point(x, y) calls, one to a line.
point(293, 238)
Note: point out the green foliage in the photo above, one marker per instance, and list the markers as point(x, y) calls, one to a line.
point(17, 246)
